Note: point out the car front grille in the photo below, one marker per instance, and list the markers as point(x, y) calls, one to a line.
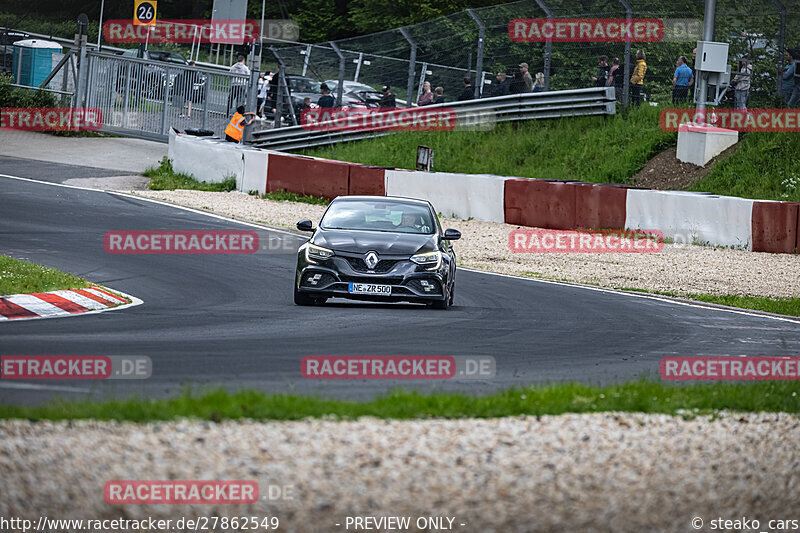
point(383, 266)
point(380, 280)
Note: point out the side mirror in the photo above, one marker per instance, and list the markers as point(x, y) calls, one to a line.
point(306, 225)
point(451, 235)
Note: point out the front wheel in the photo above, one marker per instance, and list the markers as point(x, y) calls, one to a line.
point(445, 302)
point(304, 299)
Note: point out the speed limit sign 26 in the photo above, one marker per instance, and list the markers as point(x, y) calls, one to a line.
point(144, 12)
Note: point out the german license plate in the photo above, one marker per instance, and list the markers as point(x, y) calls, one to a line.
point(370, 288)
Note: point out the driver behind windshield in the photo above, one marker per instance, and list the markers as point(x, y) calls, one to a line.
point(409, 220)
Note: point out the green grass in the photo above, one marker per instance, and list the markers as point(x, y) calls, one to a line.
point(779, 306)
point(597, 149)
point(285, 196)
point(165, 178)
point(644, 396)
point(765, 166)
point(20, 277)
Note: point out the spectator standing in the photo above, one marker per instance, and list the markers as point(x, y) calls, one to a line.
point(467, 93)
point(234, 131)
point(387, 100)
point(517, 85)
point(439, 99)
point(298, 111)
point(681, 81)
point(787, 76)
point(637, 79)
point(326, 100)
point(503, 86)
point(526, 77)
point(263, 85)
point(616, 79)
point(538, 87)
point(238, 84)
point(742, 84)
point(426, 98)
point(603, 71)
point(794, 99)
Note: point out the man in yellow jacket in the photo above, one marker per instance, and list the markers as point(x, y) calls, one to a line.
point(235, 128)
point(637, 80)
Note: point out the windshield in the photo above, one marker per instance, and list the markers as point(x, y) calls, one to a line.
point(379, 215)
point(169, 57)
point(302, 85)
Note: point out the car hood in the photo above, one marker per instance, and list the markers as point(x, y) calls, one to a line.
point(380, 242)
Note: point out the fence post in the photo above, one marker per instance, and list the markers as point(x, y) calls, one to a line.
point(548, 46)
point(358, 65)
point(781, 41)
point(251, 99)
point(479, 61)
point(422, 75)
point(412, 67)
point(708, 35)
point(340, 84)
point(83, 73)
point(626, 83)
point(206, 97)
point(165, 100)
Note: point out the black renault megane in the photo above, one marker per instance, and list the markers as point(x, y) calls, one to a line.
point(377, 248)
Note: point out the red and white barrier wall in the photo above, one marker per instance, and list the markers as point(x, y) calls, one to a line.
point(756, 225)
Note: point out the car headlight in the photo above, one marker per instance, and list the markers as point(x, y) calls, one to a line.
point(314, 252)
point(431, 259)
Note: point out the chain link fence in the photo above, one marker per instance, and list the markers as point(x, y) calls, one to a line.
point(476, 44)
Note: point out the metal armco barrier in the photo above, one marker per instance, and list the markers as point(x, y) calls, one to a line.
point(473, 114)
point(145, 98)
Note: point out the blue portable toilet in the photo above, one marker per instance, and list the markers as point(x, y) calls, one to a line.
point(32, 61)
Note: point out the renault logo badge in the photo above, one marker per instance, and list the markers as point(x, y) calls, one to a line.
point(371, 259)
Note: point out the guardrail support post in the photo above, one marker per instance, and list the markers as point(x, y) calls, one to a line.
point(548, 46)
point(626, 84)
point(479, 62)
point(412, 65)
point(340, 84)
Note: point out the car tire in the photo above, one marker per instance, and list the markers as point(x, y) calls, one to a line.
point(304, 299)
point(444, 303)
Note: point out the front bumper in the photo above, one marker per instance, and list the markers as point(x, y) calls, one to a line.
point(410, 282)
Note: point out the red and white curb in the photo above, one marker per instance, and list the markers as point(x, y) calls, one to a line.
point(54, 304)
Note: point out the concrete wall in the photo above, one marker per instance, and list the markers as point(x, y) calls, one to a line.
point(478, 196)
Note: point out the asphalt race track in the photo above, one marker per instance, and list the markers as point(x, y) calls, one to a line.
point(229, 321)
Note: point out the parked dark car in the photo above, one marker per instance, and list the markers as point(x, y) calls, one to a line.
point(356, 94)
point(153, 76)
point(377, 248)
point(301, 87)
point(7, 40)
